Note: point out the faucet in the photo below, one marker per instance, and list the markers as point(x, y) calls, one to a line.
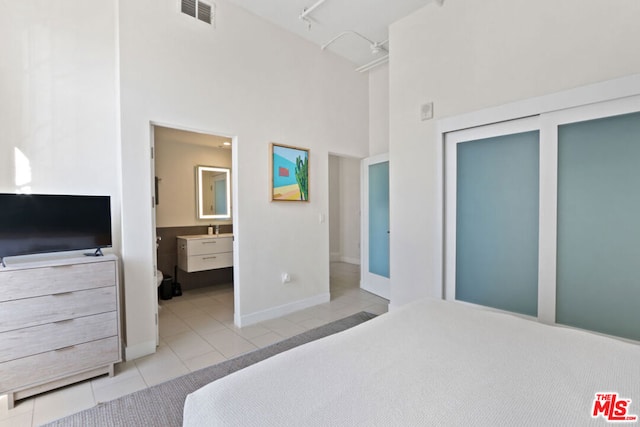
point(217, 229)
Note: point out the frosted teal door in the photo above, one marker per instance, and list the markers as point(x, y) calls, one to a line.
point(598, 273)
point(379, 219)
point(492, 193)
point(375, 270)
point(497, 222)
point(221, 197)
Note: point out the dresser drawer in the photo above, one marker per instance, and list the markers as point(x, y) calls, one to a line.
point(31, 282)
point(52, 336)
point(56, 364)
point(29, 312)
point(209, 246)
point(210, 261)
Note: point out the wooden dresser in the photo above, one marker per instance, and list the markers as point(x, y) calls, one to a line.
point(59, 323)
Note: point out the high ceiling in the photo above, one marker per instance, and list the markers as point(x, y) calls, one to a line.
point(329, 18)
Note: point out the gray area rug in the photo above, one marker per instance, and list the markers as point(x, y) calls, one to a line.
point(162, 405)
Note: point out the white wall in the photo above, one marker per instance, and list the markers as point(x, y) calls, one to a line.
point(350, 210)
point(175, 167)
point(344, 212)
point(59, 98)
point(250, 79)
point(468, 55)
point(379, 110)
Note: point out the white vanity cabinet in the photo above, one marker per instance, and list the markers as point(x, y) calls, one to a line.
point(59, 324)
point(205, 252)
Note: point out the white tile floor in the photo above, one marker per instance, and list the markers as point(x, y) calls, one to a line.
point(196, 330)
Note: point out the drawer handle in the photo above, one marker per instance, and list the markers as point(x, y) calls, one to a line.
point(209, 242)
point(209, 257)
point(71, 347)
point(63, 266)
point(61, 294)
point(59, 322)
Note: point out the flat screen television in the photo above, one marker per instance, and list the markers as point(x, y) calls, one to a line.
point(39, 223)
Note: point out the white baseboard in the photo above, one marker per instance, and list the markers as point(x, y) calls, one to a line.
point(279, 311)
point(136, 351)
point(337, 257)
point(348, 260)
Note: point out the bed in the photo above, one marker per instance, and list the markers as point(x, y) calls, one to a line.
point(431, 362)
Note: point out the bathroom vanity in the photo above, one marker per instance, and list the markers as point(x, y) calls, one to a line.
point(205, 252)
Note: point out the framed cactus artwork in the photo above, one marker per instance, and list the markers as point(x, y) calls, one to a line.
point(289, 173)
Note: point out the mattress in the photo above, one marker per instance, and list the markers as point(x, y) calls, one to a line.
point(431, 362)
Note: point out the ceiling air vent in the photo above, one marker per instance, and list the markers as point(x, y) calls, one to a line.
point(189, 7)
point(204, 12)
point(199, 10)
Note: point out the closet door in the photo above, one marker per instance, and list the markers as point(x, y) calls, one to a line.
point(492, 220)
point(375, 270)
point(542, 216)
point(598, 218)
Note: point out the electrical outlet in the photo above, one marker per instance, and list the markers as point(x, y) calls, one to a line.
point(286, 278)
point(426, 111)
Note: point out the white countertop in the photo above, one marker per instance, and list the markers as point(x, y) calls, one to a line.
point(206, 236)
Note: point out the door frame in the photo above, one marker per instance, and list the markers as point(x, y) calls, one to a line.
point(374, 283)
point(234, 213)
point(154, 252)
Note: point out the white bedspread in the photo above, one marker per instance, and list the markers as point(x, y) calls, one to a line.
point(429, 363)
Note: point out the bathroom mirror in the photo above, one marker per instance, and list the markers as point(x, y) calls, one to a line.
point(213, 192)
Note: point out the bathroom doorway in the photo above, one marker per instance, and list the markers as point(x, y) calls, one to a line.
point(344, 224)
point(183, 161)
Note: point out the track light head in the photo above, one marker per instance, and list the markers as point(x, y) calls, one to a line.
point(378, 47)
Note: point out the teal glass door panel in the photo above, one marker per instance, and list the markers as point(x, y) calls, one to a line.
point(598, 259)
point(221, 197)
point(497, 222)
point(379, 219)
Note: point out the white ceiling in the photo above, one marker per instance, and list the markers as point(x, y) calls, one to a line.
point(371, 18)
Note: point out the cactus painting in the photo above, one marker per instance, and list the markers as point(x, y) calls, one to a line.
point(302, 177)
point(289, 173)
